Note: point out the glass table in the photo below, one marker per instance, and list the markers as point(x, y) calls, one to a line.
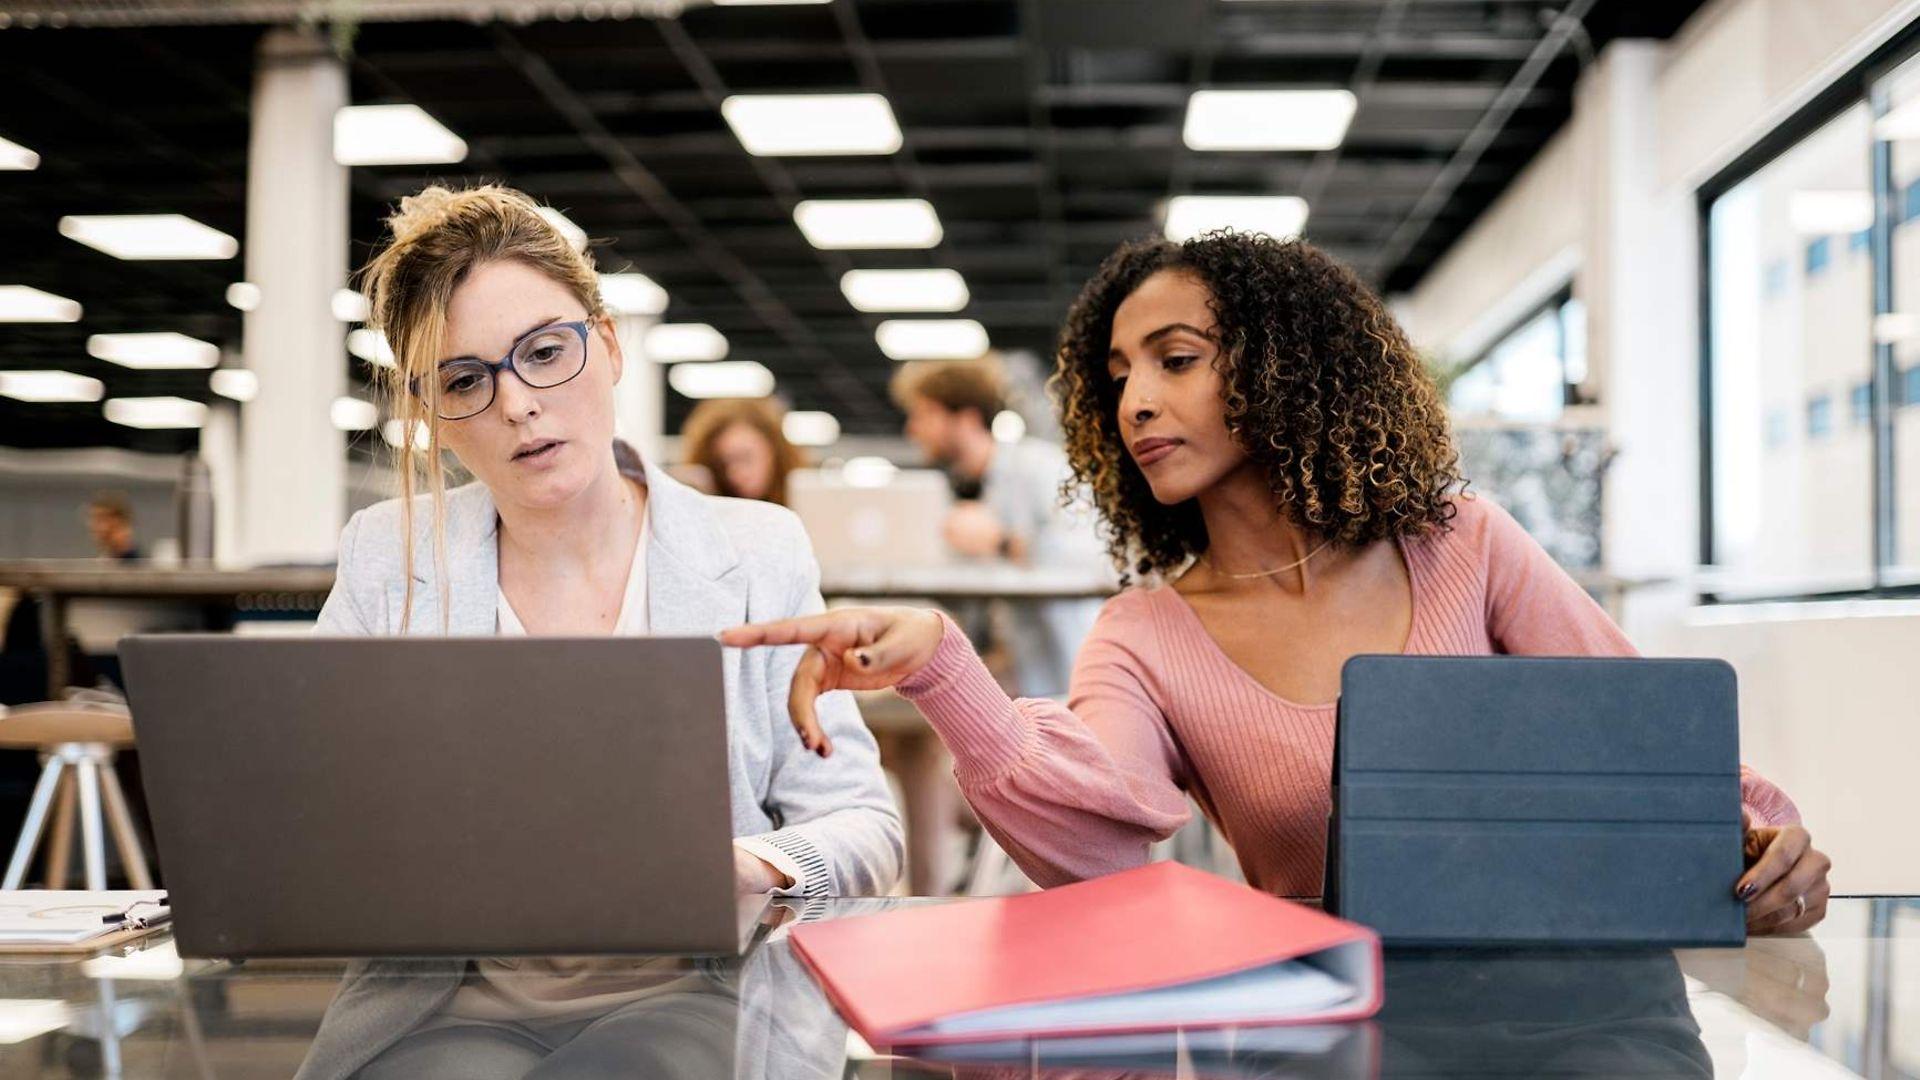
point(1843, 1001)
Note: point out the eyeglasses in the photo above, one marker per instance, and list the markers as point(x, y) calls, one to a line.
point(542, 359)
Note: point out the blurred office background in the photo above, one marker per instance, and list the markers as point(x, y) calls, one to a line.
point(1656, 252)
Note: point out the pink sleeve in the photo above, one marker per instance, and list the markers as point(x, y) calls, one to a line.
point(1764, 803)
point(1070, 791)
point(1535, 608)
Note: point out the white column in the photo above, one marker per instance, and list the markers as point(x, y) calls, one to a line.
point(293, 468)
point(220, 449)
point(1642, 339)
point(639, 406)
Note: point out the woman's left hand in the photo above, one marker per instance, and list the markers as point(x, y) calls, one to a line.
point(753, 874)
point(1785, 886)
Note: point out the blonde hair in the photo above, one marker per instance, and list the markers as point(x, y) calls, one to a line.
point(709, 418)
point(439, 237)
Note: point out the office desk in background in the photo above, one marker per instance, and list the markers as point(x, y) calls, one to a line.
point(1844, 1001)
point(910, 748)
point(56, 583)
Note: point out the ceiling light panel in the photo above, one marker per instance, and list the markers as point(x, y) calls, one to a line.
point(905, 290)
point(725, 379)
point(632, 294)
point(158, 413)
point(17, 158)
point(154, 352)
point(50, 386)
point(149, 236)
point(393, 135)
point(674, 343)
point(871, 224)
point(803, 125)
point(931, 339)
point(1279, 216)
point(1267, 119)
point(25, 304)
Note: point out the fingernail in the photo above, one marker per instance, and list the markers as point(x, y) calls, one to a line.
point(865, 660)
point(1747, 891)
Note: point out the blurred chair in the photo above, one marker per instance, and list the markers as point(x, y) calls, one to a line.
point(77, 742)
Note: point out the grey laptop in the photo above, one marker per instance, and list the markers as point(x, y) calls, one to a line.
point(1533, 801)
point(438, 796)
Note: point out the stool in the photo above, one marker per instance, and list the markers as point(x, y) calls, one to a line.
point(77, 742)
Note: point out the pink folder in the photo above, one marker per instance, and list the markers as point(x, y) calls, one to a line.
point(1152, 949)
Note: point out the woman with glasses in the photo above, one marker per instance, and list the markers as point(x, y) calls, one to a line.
point(506, 358)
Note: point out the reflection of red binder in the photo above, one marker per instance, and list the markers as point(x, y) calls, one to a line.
point(1152, 949)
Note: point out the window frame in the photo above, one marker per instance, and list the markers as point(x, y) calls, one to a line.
point(1862, 84)
point(1553, 303)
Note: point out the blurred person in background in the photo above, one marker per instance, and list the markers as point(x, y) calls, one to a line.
point(110, 523)
point(1008, 508)
point(740, 445)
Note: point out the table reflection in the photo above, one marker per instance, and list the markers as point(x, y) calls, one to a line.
point(1834, 1004)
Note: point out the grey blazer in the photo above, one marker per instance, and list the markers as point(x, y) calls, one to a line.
point(711, 563)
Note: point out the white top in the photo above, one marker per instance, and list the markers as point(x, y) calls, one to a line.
point(633, 622)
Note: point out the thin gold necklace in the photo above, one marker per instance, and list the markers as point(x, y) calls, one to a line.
point(1269, 573)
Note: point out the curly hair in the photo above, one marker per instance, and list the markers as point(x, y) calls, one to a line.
point(1323, 391)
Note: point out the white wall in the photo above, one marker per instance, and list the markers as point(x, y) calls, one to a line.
point(1828, 702)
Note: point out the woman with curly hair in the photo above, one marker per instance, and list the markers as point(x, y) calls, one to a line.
point(1266, 449)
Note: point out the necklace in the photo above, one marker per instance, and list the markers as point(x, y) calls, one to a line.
point(1269, 573)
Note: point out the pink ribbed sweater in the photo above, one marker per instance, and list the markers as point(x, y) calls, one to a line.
point(1157, 712)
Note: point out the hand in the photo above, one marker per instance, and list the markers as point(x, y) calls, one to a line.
point(1779, 979)
point(753, 874)
point(972, 530)
point(855, 648)
point(1782, 866)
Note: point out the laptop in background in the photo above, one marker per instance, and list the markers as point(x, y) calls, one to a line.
point(1537, 801)
point(438, 796)
point(895, 525)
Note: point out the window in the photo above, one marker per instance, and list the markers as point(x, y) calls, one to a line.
point(1820, 417)
point(1827, 505)
point(1818, 255)
point(1897, 125)
point(1530, 373)
point(1791, 505)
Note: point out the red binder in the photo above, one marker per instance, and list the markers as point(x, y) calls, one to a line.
point(1152, 949)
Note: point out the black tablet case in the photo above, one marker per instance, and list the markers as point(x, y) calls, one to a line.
point(1526, 800)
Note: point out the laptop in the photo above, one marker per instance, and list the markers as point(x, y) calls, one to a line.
point(857, 526)
point(1509, 801)
point(391, 796)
